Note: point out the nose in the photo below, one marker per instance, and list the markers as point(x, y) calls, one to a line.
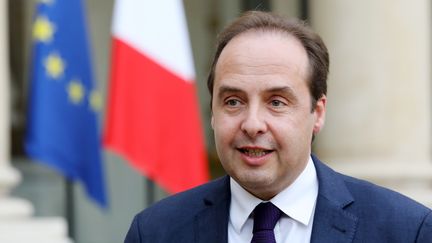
point(253, 123)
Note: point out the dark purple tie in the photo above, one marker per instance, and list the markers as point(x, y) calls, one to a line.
point(265, 217)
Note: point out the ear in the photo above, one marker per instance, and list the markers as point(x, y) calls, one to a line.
point(319, 113)
point(212, 121)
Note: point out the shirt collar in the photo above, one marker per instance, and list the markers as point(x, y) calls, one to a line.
point(297, 200)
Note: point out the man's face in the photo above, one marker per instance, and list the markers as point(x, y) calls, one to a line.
point(262, 118)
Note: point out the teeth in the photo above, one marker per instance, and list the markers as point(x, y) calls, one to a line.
point(255, 152)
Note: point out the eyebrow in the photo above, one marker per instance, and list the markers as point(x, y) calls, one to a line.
point(228, 89)
point(282, 89)
point(286, 91)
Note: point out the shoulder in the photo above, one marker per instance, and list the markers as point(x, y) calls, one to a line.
point(169, 219)
point(362, 192)
point(181, 207)
point(374, 196)
point(367, 199)
point(386, 213)
point(382, 214)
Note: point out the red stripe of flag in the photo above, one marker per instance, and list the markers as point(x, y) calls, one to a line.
point(153, 121)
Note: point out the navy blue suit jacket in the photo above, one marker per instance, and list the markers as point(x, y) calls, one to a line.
point(347, 210)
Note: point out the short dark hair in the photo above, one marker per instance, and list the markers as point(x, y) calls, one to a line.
point(316, 50)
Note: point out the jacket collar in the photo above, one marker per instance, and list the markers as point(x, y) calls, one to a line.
point(211, 224)
point(332, 222)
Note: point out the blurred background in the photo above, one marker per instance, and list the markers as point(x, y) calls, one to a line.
point(378, 124)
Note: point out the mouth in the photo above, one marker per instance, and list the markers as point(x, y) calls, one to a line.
point(254, 152)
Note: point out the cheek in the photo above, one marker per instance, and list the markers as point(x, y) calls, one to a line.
point(225, 130)
point(292, 132)
point(223, 122)
point(220, 127)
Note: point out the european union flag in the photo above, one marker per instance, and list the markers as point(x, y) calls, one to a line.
point(62, 129)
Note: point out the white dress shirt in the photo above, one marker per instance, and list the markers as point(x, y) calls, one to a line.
point(297, 202)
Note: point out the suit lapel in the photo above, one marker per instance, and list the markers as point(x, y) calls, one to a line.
point(211, 224)
point(332, 222)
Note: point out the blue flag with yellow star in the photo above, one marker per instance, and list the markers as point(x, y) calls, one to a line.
point(62, 125)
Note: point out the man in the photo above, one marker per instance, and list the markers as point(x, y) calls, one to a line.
point(268, 88)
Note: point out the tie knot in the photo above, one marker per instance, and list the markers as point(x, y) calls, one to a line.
point(266, 216)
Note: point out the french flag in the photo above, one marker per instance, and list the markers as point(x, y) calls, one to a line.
point(152, 112)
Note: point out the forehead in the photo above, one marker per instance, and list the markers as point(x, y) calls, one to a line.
point(259, 52)
point(263, 52)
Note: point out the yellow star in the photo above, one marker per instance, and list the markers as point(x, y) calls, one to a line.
point(96, 100)
point(54, 66)
point(43, 29)
point(76, 91)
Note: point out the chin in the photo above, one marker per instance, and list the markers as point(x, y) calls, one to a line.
point(255, 182)
point(261, 191)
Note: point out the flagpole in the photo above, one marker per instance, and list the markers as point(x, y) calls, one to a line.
point(150, 191)
point(70, 208)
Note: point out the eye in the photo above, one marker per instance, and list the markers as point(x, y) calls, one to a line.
point(232, 102)
point(277, 103)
